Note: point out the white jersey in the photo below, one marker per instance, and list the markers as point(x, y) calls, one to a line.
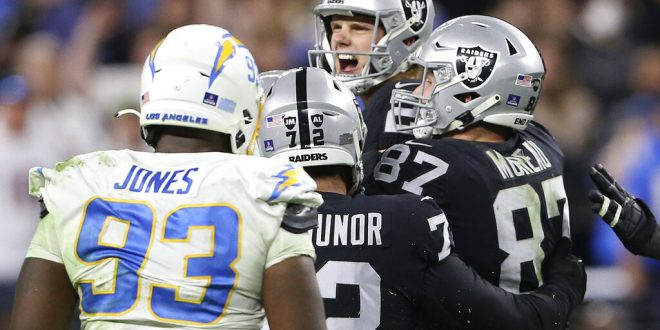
point(154, 240)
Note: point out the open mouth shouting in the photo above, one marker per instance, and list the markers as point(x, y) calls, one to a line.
point(348, 65)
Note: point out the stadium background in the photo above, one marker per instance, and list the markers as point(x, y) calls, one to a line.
point(67, 65)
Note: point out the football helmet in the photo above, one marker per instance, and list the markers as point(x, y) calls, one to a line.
point(406, 23)
point(269, 77)
point(200, 76)
point(311, 118)
point(485, 69)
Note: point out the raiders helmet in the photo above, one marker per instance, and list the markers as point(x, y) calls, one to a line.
point(311, 118)
point(407, 24)
point(485, 69)
point(200, 76)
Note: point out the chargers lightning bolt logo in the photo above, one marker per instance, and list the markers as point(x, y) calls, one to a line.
point(152, 56)
point(226, 51)
point(288, 178)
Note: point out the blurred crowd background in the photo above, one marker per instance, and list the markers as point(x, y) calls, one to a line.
point(66, 66)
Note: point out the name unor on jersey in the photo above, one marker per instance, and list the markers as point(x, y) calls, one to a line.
point(344, 229)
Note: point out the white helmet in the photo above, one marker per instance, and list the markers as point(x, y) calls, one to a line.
point(311, 118)
point(407, 24)
point(200, 76)
point(485, 70)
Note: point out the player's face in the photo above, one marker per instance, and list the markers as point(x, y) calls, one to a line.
point(426, 87)
point(353, 34)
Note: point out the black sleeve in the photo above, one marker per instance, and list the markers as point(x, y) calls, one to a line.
point(475, 303)
point(43, 210)
point(653, 246)
point(299, 218)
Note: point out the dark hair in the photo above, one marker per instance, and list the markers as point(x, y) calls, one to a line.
point(344, 171)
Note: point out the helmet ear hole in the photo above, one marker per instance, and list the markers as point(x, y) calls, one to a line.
point(467, 97)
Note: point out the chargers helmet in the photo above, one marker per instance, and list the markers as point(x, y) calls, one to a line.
point(200, 76)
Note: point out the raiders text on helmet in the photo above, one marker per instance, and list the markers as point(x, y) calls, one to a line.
point(311, 118)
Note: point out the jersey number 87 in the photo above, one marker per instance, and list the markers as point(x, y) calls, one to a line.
point(509, 200)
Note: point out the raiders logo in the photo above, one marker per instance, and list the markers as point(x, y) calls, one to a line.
point(417, 10)
point(477, 62)
point(317, 120)
point(290, 122)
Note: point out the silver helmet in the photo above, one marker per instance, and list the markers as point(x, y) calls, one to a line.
point(406, 25)
point(311, 118)
point(476, 68)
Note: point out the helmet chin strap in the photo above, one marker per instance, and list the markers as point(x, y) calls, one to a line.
point(143, 130)
point(127, 111)
point(459, 124)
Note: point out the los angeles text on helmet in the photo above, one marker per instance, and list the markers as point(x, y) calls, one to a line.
point(178, 117)
point(306, 158)
point(474, 52)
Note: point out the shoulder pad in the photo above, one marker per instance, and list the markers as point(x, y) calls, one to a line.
point(299, 218)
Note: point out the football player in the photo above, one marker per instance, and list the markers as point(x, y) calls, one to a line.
point(385, 261)
point(630, 218)
point(194, 235)
point(366, 44)
point(495, 172)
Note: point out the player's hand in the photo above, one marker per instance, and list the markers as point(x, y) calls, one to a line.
point(629, 217)
point(564, 269)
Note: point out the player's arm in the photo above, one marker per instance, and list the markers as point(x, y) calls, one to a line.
point(45, 299)
point(291, 295)
point(630, 218)
point(473, 302)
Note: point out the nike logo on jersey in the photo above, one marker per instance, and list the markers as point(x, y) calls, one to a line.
point(418, 144)
point(400, 85)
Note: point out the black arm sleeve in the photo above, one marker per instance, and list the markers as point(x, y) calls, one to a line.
point(653, 246)
point(475, 303)
point(299, 218)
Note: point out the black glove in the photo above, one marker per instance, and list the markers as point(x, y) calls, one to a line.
point(565, 270)
point(630, 218)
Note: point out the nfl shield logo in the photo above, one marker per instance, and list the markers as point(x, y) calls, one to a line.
point(477, 63)
point(269, 146)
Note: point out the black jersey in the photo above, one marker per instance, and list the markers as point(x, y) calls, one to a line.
point(372, 252)
point(378, 116)
point(505, 202)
